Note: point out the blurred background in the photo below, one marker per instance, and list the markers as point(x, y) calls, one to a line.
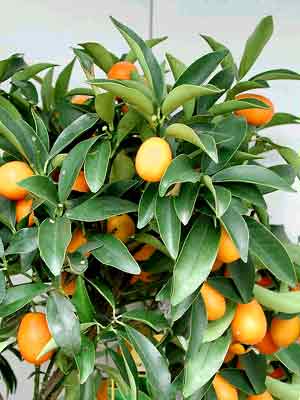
point(46, 30)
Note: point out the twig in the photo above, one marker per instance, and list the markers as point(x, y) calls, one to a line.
point(36, 384)
point(52, 383)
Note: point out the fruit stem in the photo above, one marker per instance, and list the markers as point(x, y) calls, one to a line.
point(36, 383)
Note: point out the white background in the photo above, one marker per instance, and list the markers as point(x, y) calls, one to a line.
point(46, 30)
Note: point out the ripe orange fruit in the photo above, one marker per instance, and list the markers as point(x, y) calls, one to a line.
point(227, 252)
point(102, 393)
point(80, 99)
point(224, 390)
point(124, 108)
point(144, 253)
point(296, 288)
point(217, 265)
point(78, 240)
point(33, 335)
point(278, 373)
point(121, 226)
point(267, 346)
point(144, 276)
point(152, 159)
point(10, 174)
point(256, 116)
point(265, 281)
point(122, 70)
point(264, 396)
point(214, 301)
point(285, 331)
point(23, 208)
point(80, 184)
point(235, 349)
point(68, 283)
point(249, 325)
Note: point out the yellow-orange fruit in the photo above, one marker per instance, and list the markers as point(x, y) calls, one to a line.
point(33, 335)
point(10, 174)
point(144, 253)
point(121, 70)
point(23, 208)
point(285, 331)
point(80, 184)
point(217, 265)
point(264, 396)
point(267, 346)
point(102, 393)
point(152, 159)
point(224, 390)
point(68, 283)
point(214, 301)
point(80, 99)
point(144, 276)
point(235, 349)
point(78, 240)
point(227, 252)
point(256, 116)
point(121, 226)
point(249, 325)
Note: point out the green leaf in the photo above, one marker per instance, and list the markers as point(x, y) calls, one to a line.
point(255, 44)
point(234, 105)
point(23, 241)
point(247, 192)
point(252, 174)
point(226, 287)
point(180, 309)
point(197, 326)
point(42, 187)
point(86, 62)
point(244, 86)
point(31, 71)
point(122, 168)
point(103, 58)
point(256, 368)
point(270, 252)
point(218, 198)
point(291, 157)
point(285, 302)
point(183, 93)
point(216, 329)
point(9, 107)
point(115, 254)
point(104, 291)
point(2, 284)
point(238, 379)
point(282, 119)
point(63, 80)
point(47, 90)
point(7, 213)
point(195, 259)
point(147, 206)
point(131, 371)
point(82, 302)
point(185, 202)
point(290, 357)
point(275, 74)
point(20, 295)
point(85, 359)
point(131, 56)
point(243, 275)
point(96, 164)
point(53, 251)
point(71, 167)
point(282, 390)
point(101, 208)
point(72, 132)
point(204, 142)
point(208, 360)
point(154, 319)
point(168, 224)
point(155, 365)
point(180, 170)
point(41, 129)
point(148, 62)
point(105, 106)
point(63, 323)
point(127, 123)
point(10, 65)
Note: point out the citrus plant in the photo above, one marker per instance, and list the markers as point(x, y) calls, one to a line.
point(137, 257)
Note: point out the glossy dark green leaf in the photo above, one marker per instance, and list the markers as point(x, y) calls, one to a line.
point(195, 259)
point(105, 106)
point(47, 90)
point(63, 80)
point(127, 123)
point(255, 44)
point(104, 291)
point(247, 192)
point(234, 105)
point(290, 357)
point(101, 208)
point(2, 287)
point(252, 174)
point(217, 197)
point(147, 206)
point(41, 129)
point(180, 170)
point(275, 74)
point(155, 365)
point(148, 62)
point(208, 360)
point(11, 65)
point(281, 302)
point(7, 213)
point(238, 379)
point(185, 202)
point(285, 171)
point(282, 119)
point(63, 323)
point(168, 224)
point(103, 58)
point(282, 390)
point(27, 90)
point(237, 229)
point(256, 368)
point(226, 287)
point(96, 164)
point(122, 168)
point(23, 241)
point(20, 295)
point(82, 302)
point(131, 370)
point(85, 359)
point(270, 252)
point(244, 86)
point(53, 251)
point(131, 56)
point(73, 131)
point(31, 71)
point(42, 187)
point(86, 62)
point(154, 319)
point(197, 326)
point(71, 167)
point(243, 275)
point(180, 309)
point(115, 254)
point(291, 157)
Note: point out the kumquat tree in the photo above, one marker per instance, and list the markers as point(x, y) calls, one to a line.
point(137, 257)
